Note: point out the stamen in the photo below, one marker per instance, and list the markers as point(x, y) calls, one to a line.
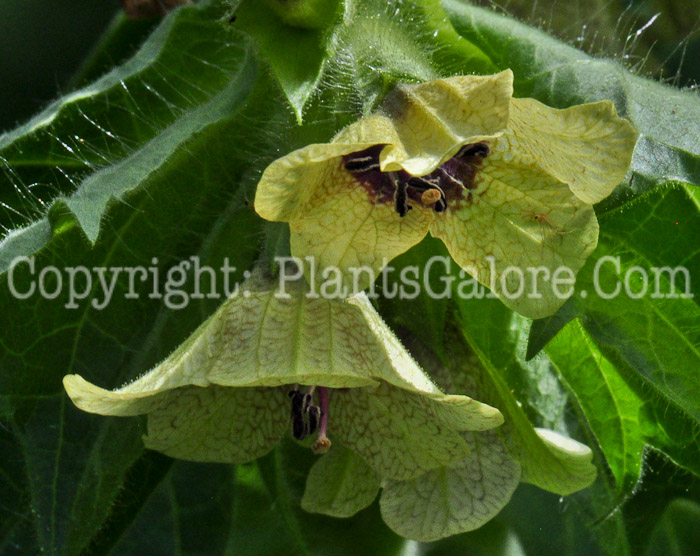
point(475, 149)
point(452, 181)
point(314, 415)
point(305, 415)
point(423, 183)
point(299, 403)
point(401, 195)
point(432, 192)
point(430, 196)
point(323, 443)
point(448, 181)
point(362, 164)
point(311, 411)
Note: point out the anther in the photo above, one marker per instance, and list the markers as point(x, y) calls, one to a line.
point(362, 164)
point(400, 195)
point(299, 401)
point(430, 196)
point(432, 193)
point(305, 415)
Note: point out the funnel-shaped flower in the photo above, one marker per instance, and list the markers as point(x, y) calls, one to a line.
point(464, 495)
point(506, 183)
point(454, 498)
point(224, 394)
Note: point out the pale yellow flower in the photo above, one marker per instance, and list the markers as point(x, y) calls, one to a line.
point(224, 394)
point(504, 182)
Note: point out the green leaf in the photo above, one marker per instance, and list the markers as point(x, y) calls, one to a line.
point(547, 525)
point(632, 363)
point(646, 231)
point(417, 305)
point(380, 43)
point(543, 330)
point(296, 55)
point(307, 14)
point(16, 531)
point(677, 532)
point(644, 357)
point(663, 484)
point(120, 41)
point(189, 83)
point(623, 416)
point(140, 481)
point(20, 242)
point(560, 75)
point(611, 407)
point(195, 207)
point(653, 338)
point(495, 538)
point(189, 512)
point(91, 457)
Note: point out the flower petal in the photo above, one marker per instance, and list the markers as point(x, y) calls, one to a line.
point(460, 413)
point(259, 340)
point(341, 226)
point(340, 484)
point(269, 341)
point(265, 339)
point(288, 183)
point(457, 412)
point(587, 146)
point(218, 424)
point(574, 461)
point(404, 371)
point(397, 432)
point(434, 119)
point(429, 123)
point(547, 459)
point(452, 500)
point(516, 229)
point(93, 399)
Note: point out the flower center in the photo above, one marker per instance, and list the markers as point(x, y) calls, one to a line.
point(307, 417)
point(448, 182)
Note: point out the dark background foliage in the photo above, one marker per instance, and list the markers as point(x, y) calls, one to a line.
point(98, 492)
point(44, 42)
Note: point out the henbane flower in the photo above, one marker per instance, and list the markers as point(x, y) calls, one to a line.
point(464, 495)
point(508, 184)
point(265, 362)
